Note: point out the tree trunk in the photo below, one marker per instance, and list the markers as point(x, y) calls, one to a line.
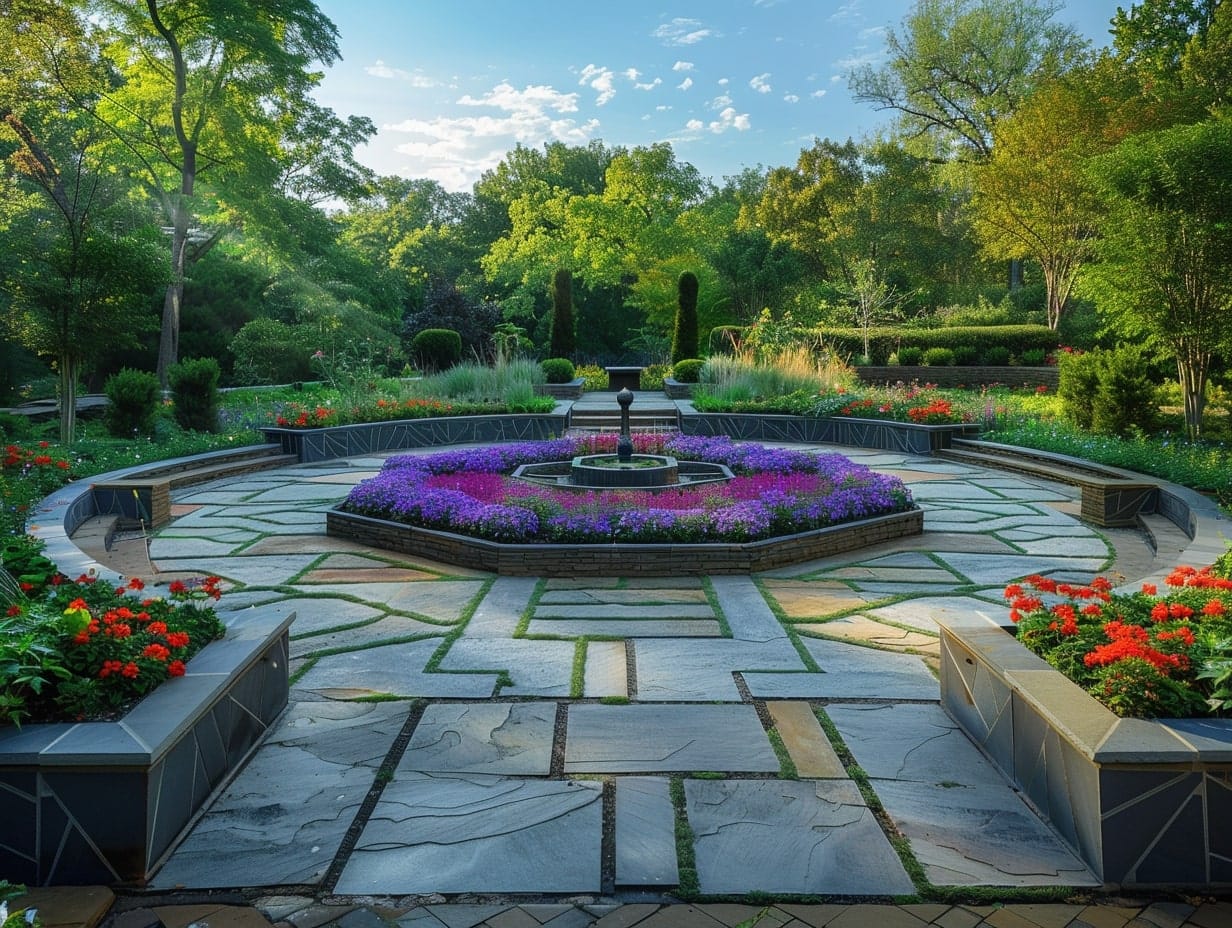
point(1192, 376)
point(169, 336)
point(68, 400)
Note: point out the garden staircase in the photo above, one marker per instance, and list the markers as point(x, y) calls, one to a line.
point(599, 412)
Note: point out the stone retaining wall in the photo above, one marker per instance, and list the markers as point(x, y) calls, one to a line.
point(961, 376)
point(907, 437)
point(625, 560)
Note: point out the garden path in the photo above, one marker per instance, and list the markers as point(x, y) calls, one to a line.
point(450, 732)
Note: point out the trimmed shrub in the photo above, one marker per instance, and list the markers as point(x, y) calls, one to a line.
point(684, 336)
point(965, 356)
point(652, 376)
point(687, 370)
point(564, 335)
point(132, 403)
point(1033, 357)
point(910, 357)
point(939, 357)
point(194, 387)
point(1077, 386)
point(1125, 400)
point(437, 349)
point(885, 340)
point(725, 339)
point(267, 351)
point(996, 356)
point(557, 370)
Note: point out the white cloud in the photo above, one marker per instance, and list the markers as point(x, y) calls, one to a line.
point(835, 78)
point(817, 94)
point(720, 101)
point(599, 79)
point(761, 83)
point(723, 81)
point(790, 98)
point(685, 84)
point(852, 62)
point(632, 73)
point(730, 119)
point(682, 31)
point(651, 85)
point(873, 33)
point(662, 108)
point(848, 12)
point(415, 78)
point(683, 66)
point(532, 99)
point(695, 125)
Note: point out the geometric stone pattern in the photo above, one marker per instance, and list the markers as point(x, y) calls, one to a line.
point(474, 793)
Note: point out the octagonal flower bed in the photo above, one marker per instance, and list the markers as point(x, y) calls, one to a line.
point(781, 507)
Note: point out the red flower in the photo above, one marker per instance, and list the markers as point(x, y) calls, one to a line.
point(1159, 612)
point(13, 610)
point(176, 669)
point(178, 639)
point(156, 652)
point(1214, 607)
point(177, 587)
point(136, 583)
point(156, 628)
point(130, 670)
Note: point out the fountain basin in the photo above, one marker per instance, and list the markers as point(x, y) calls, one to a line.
point(606, 472)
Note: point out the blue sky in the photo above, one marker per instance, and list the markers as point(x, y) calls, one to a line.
point(452, 85)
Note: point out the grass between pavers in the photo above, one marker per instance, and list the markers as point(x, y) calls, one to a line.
point(577, 677)
point(686, 857)
point(541, 587)
point(787, 766)
point(310, 659)
point(792, 635)
point(712, 598)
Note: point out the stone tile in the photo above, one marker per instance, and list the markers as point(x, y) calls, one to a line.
point(882, 916)
point(915, 575)
point(164, 548)
point(499, 612)
point(993, 569)
point(849, 672)
point(815, 916)
point(733, 915)
point(806, 599)
point(644, 739)
point(386, 573)
point(597, 597)
point(66, 906)
point(444, 600)
point(281, 821)
point(365, 636)
point(642, 613)
point(645, 833)
point(925, 612)
point(512, 918)
point(313, 614)
point(806, 743)
point(859, 629)
point(700, 670)
point(498, 738)
point(606, 670)
point(249, 570)
point(477, 834)
point(466, 915)
point(1167, 914)
point(624, 628)
point(781, 836)
point(537, 668)
point(680, 916)
point(745, 609)
point(628, 915)
point(986, 836)
point(395, 669)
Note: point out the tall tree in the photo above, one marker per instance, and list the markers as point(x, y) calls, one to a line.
point(208, 90)
point(958, 66)
point(1032, 198)
point(1165, 273)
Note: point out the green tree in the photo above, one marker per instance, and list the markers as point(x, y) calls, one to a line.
point(684, 334)
point(1165, 268)
point(1032, 198)
point(564, 339)
point(213, 90)
point(958, 66)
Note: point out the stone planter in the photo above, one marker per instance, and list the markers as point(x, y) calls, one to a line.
point(677, 390)
point(840, 430)
point(103, 802)
point(561, 391)
point(621, 560)
point(372, 437)
point(1144, 803)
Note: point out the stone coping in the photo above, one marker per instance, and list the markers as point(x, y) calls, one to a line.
point(1094, 730)
point(155, 725)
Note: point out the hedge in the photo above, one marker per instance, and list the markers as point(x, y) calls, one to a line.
point(884, 341)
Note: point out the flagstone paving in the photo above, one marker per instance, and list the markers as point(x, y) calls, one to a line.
point(453, 733)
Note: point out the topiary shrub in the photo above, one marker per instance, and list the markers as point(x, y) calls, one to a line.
point(996, 356)
point(1032, 357)
point(436, 349)
point(1125, 400)
point(687, 370)
point(684, 335)
point(1077, 385)
point(564, 327)
point(267, 351)
point(939, 357)
point(557, 370)
point(132, 403)
point(725, 339)
point(910, 357)
point(965, 356)
point(194, 388)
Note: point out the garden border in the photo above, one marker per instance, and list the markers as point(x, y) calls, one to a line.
point(625, 560)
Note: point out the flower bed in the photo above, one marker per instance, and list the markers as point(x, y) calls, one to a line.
point(775, 492)
point(781, 507)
